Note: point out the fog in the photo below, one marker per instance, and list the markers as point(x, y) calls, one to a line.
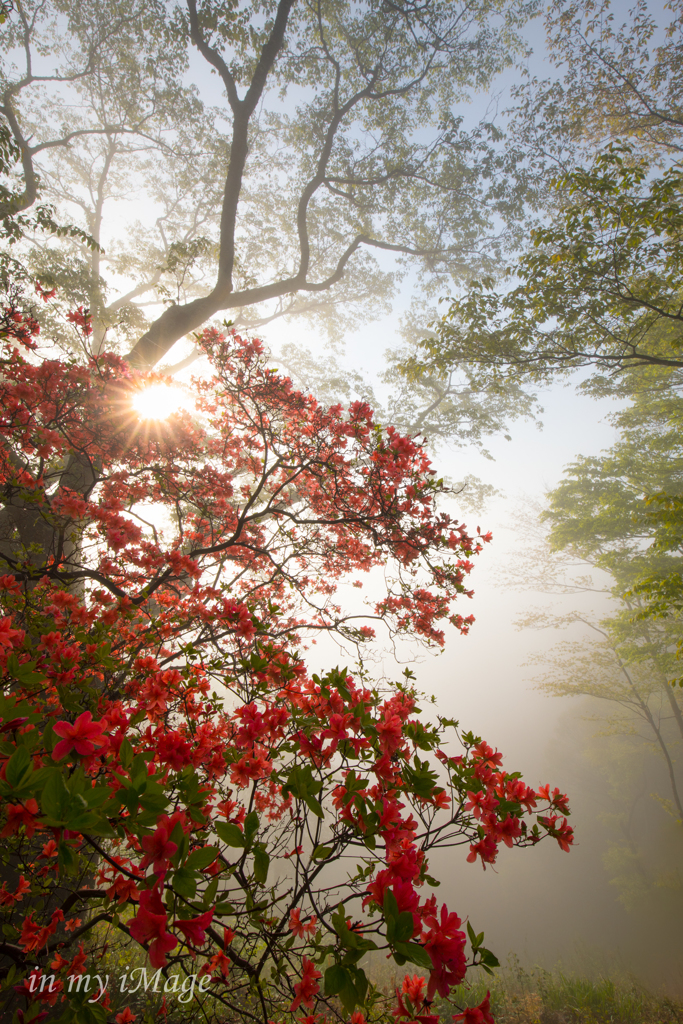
point(541, 905)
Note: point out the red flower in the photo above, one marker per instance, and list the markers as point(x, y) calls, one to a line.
point(477, 1014)
point(445, 945)
point(486, 849)
point(306, 989)
point(218, 964)
point(9, 637)
point(149, 925)
point(508, 830)
point(21, 814)
point(412, 1013)
point(485, 754)
point(81, 317)
point(125, 1017)
point(33, 936)
point(34, 988)
point(194, 930)
point(44, 294)
point(390, 733)
point(175, 750)
point(8, 898)
point(412, 987)
point(82, 737)
point(158, 850)
point(295, 924)
point(298, 927)
point(564, 833)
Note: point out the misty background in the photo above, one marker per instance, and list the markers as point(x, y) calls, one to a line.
point(543, 906)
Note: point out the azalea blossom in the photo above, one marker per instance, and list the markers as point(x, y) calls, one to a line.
point(305, 990)
point(477, 1014)
point(149, 925)
point(19, 815)
point(158, 850)
point(83, 737)
point(445, 944)
point(208, 772)
point(194, 929)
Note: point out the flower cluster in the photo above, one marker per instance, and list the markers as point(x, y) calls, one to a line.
point(160, 735)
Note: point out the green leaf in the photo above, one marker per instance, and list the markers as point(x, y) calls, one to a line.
point(185, 883)
point(102, 827)
point(182, 841)
point(24, 672)
point(54, 795)
point(251, 826)
point(229, 833)
point(19, 767)
point(138, 770)
point(223, 908)
point(415, 954)
point(80, 1011)
point(126, 753)
point(302, 784)
point(391, 910)
point(210, 894)
point(348, 983)
point(66, 858)
point(353, 785)
point(421, 780)
point(313, 805)
point(261, 863)
point(475, 940)
point(488, 959)
point(97, 796)
point(347, 938)
point(404, 926)
point(49, 738)
point(361, 985)
point(200, 859)
point(322, 853)
point(335, 979)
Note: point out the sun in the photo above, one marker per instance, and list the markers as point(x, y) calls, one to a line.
point(159, 401)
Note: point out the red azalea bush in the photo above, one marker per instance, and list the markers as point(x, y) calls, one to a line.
point(169, 770)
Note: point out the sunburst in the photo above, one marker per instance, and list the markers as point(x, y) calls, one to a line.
point(159, 401)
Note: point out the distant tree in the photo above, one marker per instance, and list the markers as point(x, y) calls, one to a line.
point(660, 587)
point(604, 266)
point(618, 78)
point(601, 540)
point(599, 288)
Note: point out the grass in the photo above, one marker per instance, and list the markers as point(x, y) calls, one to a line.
point(537, 996)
